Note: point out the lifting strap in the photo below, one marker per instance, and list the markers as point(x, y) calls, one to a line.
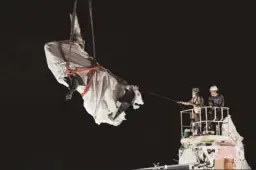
point(79, 70)
point(95, 67)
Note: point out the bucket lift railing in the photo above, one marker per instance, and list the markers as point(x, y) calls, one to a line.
point(204, 111)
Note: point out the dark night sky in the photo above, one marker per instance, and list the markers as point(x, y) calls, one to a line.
point(167, 48)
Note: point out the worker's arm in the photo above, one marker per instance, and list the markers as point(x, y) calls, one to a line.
point(189, 103)
point(184, 103)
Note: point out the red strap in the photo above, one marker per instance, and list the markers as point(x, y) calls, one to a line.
point(77, 70)
point(87, 87)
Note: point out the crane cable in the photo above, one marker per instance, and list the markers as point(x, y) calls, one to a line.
point(93, 36)
point(94, 63)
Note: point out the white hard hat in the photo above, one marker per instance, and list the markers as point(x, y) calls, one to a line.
point(214, 88)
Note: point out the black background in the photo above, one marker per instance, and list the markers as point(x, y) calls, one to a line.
point(163, 47)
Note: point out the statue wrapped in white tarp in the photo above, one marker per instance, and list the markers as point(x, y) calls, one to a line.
point(105, 96)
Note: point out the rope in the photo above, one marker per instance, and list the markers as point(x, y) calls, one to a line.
point(163, 97)
point(71, 32)
point(154, 94)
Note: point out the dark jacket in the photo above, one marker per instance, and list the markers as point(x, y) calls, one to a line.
point(216, 101)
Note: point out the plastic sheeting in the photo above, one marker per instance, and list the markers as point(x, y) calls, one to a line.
point(187, 157)
point(229, 129)
point(105, 90)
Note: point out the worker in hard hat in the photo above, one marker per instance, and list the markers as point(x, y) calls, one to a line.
point(215, 100)
point(197, 102)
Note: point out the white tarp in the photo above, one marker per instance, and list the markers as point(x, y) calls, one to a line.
point(101, 99)
point(187, 156)
point(229, 129)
